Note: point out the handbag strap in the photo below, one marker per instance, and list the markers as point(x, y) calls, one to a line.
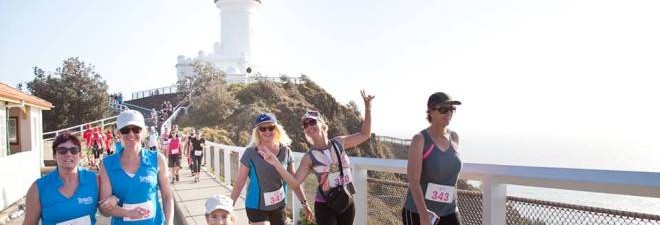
point(341, 167)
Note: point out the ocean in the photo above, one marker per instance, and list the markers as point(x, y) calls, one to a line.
point(567, 152)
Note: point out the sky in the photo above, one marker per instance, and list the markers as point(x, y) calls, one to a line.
point(565, 70)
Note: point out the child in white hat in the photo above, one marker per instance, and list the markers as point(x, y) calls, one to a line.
point(219, 210)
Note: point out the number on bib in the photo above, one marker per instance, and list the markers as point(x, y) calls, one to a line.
point(439, 193)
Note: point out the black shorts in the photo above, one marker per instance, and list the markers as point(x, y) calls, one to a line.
point(411, 218)
point(174, 160)
point(276, 217)
point(97, 152)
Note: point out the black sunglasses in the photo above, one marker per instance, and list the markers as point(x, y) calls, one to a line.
point(445, 109)
point(311, 122)
point(62, 150)
point(268, 128)
point(125, 130)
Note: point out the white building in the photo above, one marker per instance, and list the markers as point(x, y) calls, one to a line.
point(21, 142)
point(232, 54)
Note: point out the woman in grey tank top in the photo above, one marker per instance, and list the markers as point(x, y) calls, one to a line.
point(322, 160)
point(433, 168)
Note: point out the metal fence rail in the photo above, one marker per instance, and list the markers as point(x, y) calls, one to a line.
point(386, 199)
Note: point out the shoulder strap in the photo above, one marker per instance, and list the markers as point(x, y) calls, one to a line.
point(428, 151)
point(341, 168)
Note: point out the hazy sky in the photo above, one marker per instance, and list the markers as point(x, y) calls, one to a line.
point(564, 68)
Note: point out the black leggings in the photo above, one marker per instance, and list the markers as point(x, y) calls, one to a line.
point(411, 218)
point(197, 163)
point(325, 216)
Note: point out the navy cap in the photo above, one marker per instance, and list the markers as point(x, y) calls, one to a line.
point(265, 118)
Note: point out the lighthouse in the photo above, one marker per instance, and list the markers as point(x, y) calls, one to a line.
point(232, 53)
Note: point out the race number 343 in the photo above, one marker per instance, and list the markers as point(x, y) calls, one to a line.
point(439, 193)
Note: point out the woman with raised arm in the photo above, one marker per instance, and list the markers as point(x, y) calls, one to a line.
point(322, 159)
point(69, 194)
point(266, 194)
point(433, 167)
point(135, 176)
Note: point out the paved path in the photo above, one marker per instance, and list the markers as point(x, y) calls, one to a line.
point(189, 197)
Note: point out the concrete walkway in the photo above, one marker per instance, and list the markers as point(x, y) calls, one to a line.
point(189, 197)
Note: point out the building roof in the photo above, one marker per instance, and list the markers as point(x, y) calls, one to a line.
point(13, 95)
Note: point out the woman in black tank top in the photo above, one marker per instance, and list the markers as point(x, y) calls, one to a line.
point(431, 198)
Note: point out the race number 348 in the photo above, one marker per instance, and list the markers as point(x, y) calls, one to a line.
point(439, 193)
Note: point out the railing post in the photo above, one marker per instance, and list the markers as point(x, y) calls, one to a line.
point(494, 201)
point(227, 166)
point(296, 206)
point(362, 193)
point(216, 163)
point(207, 152)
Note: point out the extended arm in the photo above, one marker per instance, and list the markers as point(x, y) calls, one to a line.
point(352, 140)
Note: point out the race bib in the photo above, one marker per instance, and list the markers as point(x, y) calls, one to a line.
point(84, 220)
point(274, 197)
point(334, 178)
point(198, 152)
point(439, 193)
point(175, 151)
point(149, 206)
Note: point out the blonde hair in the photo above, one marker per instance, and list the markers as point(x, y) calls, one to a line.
point(280, 136)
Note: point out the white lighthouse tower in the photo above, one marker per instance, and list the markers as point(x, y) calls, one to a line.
point(232, 53)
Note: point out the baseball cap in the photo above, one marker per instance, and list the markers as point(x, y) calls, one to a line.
point(219, 202)
point(311, 114)
point(130, 117)
point(441, 98)
point(265, 118)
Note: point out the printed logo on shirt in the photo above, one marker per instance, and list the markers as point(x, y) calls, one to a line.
point(148, 179)
point(86, 201)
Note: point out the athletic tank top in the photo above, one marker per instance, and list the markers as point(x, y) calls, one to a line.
point(56, 208)
point(139, 190)
point(326, 169)
point(266, 190)
point(438, 179)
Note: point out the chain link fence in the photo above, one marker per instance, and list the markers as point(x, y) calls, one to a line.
point(386, 199)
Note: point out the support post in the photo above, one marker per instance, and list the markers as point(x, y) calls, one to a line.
point(361, 195)
point(494, 201)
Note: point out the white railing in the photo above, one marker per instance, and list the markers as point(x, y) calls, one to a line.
point(168, 123)
point(80, 128)
point(400, 141)
point(153, 92)
point(494, 180)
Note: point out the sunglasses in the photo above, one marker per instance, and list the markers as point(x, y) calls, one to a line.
point(311, 122)
point(125, 130)
point(445, 109)
point(62, 150)
point(268, 128)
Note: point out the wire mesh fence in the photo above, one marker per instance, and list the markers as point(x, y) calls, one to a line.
point(386, 200)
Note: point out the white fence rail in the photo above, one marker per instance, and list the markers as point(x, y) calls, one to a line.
point(494, 178)
point(80, 128)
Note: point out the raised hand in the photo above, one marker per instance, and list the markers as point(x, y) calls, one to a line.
point(367, 99)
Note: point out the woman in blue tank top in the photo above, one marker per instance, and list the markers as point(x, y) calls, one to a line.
point(134, 176)
point(67, 195)
point(433, 168)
